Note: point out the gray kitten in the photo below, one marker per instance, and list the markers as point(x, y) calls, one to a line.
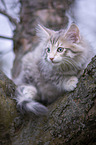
point(52, 68)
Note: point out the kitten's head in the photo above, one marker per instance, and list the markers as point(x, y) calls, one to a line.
point(60, 45)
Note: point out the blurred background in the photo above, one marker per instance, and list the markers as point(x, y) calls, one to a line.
point(82, 12)
point(7, 55)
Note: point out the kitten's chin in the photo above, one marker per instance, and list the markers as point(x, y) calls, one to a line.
point(55, 63)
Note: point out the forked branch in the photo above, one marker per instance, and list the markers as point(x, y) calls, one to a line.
point(11, 19)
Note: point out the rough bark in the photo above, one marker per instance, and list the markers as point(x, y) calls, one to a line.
point(8, 111)
point(71, 119)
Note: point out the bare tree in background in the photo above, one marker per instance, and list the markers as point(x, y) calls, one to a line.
point(72, 118)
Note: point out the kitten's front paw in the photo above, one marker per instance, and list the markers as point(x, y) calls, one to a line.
point(71, 84)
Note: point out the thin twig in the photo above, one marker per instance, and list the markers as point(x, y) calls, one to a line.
point(9, 17)
point(4, 4)
point(4, 37)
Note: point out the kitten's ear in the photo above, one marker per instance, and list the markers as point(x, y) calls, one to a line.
point(43, 32)
point(73, 34)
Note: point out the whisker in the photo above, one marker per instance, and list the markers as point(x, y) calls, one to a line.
point(71, 64)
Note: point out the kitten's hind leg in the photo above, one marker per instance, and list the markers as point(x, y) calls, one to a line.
point(26, 100)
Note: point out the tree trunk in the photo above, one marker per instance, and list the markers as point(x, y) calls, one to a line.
point(71, 119)
point(8, 112)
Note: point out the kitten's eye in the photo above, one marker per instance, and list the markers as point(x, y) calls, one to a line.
point(60, 49)
point(48, 50)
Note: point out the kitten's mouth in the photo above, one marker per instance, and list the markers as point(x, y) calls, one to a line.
point(55, 62)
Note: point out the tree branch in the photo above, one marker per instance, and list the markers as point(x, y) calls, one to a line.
point(3, 2)
point(12, 20)
point(71, 119)
point(4, 37)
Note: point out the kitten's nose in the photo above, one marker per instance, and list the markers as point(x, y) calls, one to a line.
point(51, 58)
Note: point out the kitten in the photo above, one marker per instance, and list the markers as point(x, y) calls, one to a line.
point(52, 68)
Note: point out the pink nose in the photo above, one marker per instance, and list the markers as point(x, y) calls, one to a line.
point(51, 58)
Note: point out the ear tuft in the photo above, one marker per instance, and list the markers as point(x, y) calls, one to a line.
point(43, 32)
point(73, 34)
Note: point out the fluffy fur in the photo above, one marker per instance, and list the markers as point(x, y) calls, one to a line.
point(52, 68)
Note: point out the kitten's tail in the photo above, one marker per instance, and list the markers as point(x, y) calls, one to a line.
point(26, 103)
